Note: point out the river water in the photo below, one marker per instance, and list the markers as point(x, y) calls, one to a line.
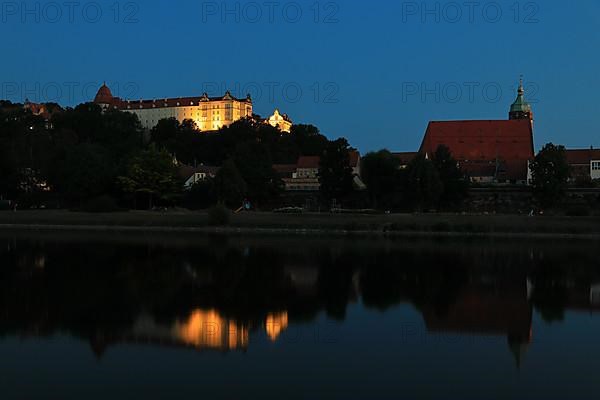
point(164, 316)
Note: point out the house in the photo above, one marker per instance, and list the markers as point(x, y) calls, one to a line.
point(192, 175)
point(355, 165)
point(584, 164)
point(405, 158)
point(43, 110)
point(304, 175)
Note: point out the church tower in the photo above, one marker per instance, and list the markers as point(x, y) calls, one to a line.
point(521, 109)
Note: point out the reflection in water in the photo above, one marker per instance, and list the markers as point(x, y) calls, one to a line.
point(215, 293)
point(275, 324)
point(488, 307)
point(208, 329)
point(203, 329)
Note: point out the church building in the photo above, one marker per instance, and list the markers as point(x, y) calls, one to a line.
point(488, 151)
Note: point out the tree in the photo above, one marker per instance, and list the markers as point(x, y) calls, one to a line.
point(122, 133)
point(153, 173)
point(550, 173)
point(230, 187)
point(119, 132)
point(201, 195)
point(308, 139)
point(380, 172)
point(255, 166)
point(455, 185)
point(165, 132)
point(9, 178)
point(86, 172)
point(335, 173)
point(423, 185)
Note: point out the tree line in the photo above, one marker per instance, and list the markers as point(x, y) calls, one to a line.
point(84, 154)
point(85, 157)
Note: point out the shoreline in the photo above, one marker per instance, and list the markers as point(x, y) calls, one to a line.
point(322, 225)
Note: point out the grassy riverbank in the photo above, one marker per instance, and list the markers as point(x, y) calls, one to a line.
point(375, 224)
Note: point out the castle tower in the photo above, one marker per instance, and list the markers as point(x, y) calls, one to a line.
point(104, 97)
point(521, 109)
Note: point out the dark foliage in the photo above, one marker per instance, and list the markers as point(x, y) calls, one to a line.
point(550, 172)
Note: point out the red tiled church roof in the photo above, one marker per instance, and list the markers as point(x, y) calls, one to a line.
point(483, 146)
point(481, 140)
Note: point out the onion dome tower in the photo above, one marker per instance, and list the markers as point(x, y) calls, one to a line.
point(521, 109)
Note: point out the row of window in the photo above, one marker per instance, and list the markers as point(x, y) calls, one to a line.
point(215, 125)
point(228, 112)
point(216, 116)
point(596, 166)
point(204, 107)
point(303, 187)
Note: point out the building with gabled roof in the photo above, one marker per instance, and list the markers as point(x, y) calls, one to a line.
point(584, 163)
point(194, 174)
point(280, 121)
point(405, 158)
point(304, 175)
point(488, 151)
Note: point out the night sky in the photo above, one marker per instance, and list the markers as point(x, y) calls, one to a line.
point(374, 72)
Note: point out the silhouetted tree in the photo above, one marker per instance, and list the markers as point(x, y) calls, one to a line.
point(423, 185)
point(230, 187)
point(455, 185)
point(380, 173)
point(335, 173)
point(550, 173)
point(151, 172)
point(86, 172)
point(165, 132)
point(255, 166)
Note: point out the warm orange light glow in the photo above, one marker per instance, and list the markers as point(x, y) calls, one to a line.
point(208, 329)
point(275, 324)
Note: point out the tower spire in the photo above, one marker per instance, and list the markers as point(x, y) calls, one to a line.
point(521, 109)
point(521, 88)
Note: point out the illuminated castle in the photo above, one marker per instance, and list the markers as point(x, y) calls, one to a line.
point(209, 113)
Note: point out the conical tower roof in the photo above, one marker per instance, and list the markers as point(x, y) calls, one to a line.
point(520, 104)
point(104, 95)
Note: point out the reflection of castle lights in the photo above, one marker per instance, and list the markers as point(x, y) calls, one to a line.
point(207, 329)
point(275, 324)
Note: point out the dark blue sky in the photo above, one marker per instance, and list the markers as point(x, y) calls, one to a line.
point(374, 72)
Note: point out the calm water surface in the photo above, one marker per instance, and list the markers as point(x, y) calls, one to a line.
point(86, 316)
